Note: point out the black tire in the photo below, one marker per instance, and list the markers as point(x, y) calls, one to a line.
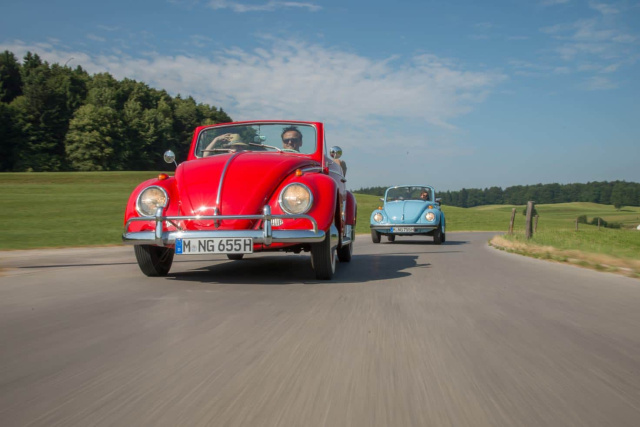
point(437, 236)
point(375, 236)
point(323, 258)
point(345, 252)
point(235, 257)
point(391, 237)
point(154, 261)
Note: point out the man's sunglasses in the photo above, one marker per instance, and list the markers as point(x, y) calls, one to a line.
point(291, 141)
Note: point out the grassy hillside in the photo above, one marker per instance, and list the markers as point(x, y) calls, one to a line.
point(80, 209)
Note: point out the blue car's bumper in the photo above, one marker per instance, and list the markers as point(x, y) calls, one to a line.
point(404, 229)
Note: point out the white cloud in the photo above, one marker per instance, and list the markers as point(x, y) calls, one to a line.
point(96, 38)
point(265, 7)
point(553, 2)
point(599, 83)
point(296, 80)
point(604, 8)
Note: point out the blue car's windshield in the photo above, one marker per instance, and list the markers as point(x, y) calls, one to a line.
point(407, 193)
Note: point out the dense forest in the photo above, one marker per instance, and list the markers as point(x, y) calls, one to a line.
point(617, 193)
point(55, 118)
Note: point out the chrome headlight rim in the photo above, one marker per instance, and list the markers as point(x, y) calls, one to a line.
point(139, 209)
point(284, 191)
point(430, 216)
point(378, 217)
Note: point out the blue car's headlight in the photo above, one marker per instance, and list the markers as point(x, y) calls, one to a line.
point(377, 217)
point(430, 216)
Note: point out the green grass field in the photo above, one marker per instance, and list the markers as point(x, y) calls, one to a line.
point(43, 210)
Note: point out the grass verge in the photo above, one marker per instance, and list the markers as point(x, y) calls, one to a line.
point(615, 252)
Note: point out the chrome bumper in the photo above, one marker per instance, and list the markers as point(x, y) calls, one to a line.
point(419, 228)
point(266, 235)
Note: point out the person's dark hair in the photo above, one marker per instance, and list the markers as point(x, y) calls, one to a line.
point(289, 129)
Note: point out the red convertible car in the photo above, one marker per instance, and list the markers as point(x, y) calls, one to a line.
point(246, 187)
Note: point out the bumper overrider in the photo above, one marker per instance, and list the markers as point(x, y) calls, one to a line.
point(266, 235)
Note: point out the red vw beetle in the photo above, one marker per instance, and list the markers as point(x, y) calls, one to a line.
point(246, 187)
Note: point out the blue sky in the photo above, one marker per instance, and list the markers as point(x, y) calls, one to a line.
point(452, 94)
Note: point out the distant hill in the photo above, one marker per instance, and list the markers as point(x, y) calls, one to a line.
point(617, 193)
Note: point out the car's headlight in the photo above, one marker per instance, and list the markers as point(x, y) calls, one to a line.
point(430, 216)
point(150, 199)
point(377, 217)
point(296, 199)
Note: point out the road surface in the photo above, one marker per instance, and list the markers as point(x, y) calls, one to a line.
point(408, 334)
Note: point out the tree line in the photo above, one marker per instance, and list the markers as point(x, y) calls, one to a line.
point(55, 118)
point(617, 193)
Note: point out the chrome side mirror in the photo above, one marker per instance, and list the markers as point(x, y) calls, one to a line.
point(170, 157)
point(335, 152)
point(382, 199)
point(438, 200)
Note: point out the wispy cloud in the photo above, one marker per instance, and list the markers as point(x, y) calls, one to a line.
point(599, 83)
point(604, 8)
point(290, 79)
point(96, 38)
point(269, 6)
point(553, 2)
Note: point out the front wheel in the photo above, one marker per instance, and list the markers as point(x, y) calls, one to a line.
point(375, 236)
point(154, 260)
point(323, 258)
point(438, 236)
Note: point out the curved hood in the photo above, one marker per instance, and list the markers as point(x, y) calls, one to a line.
point(405, 211)
point(248, 183)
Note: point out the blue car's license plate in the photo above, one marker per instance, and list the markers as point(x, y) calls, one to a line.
point(403, 229)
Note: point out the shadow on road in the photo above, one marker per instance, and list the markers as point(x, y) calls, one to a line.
point(424, 242)
point(296, 269)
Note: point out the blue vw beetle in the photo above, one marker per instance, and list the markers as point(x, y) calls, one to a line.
point(409, 210)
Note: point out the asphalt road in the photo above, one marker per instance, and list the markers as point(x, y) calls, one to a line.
point(408, 334)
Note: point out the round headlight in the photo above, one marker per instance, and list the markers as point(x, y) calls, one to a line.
point(430, 216)
point(296, 199)
point(150, 199)
point(377, 217)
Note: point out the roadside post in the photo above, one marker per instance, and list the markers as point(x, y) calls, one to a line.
point(529, 229)
point(513, 218)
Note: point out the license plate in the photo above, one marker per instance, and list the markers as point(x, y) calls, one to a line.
point(403, 229)
point(227, 245)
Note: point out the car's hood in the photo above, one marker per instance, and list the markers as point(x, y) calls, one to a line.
point(248, 183)
point(404, 212)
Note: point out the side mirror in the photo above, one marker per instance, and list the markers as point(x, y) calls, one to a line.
point(335, 152)
point(170, 157)
point(438, 200)
point(382, 199)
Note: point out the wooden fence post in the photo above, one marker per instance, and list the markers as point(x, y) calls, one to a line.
point(528, 229)
point(513, 218)
point(576, 224)
point(535, 227)
point(598, 223)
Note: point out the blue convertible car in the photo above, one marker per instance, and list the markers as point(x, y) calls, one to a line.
point(409, 210)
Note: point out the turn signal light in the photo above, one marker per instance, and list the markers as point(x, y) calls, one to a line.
point(163, 176)
point(298, 172)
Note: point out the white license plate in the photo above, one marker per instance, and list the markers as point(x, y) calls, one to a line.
point(403, 229)
point(227, 245)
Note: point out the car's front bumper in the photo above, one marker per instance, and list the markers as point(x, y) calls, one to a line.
point(418, 228)
point(266, 235)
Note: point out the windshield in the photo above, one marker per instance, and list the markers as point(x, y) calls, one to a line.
point(285, 137)
point(408, 193)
